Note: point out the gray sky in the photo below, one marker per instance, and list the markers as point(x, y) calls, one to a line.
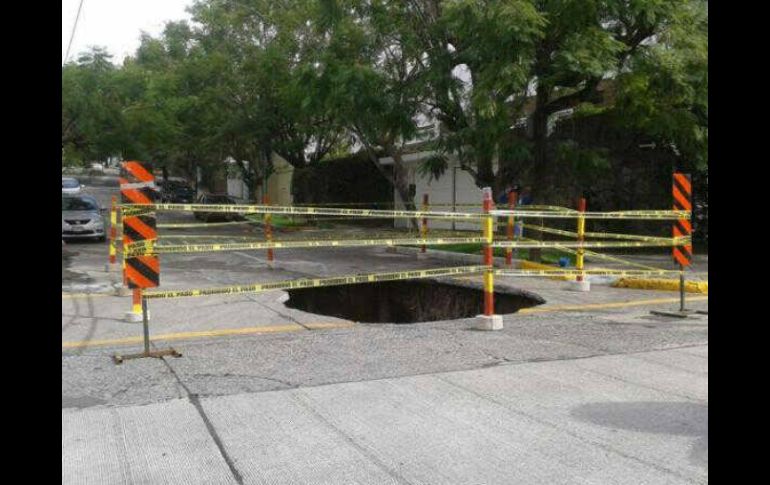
point(116, 24)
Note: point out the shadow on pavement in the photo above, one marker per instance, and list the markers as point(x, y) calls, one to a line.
point(673, 418)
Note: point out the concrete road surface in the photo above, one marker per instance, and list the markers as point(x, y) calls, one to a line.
point(619, 419)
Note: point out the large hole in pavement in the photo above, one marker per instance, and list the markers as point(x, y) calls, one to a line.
point(407, 301)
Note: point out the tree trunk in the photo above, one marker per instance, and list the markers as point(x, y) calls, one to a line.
point(401, 184)
point(398, 180)
point(542, 184)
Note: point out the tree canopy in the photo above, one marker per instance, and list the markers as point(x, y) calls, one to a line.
point(302, 79)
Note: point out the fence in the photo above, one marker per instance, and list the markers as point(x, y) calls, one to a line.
point(580, 242)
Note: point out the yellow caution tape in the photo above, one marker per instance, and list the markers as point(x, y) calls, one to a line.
point(147, 247)
point(575, 272)
point(592, 244)
point(607, 235)
point(529, 264)
point(134, 209)
point(434, 204)
point(632, 237)
point(318, 282)
point(651, 214)
point(594, 254)
point(203, 224)
point(271, 209)
point(524, 264)
point(555, 208)
point(205, 236)
point(615, 259)
point(343, 204)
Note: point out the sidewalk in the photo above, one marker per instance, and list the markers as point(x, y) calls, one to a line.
point(628, 418)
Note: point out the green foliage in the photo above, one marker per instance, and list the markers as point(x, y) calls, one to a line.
point(349, 179)
point(433, 167)
point(308, 78)
point(665, 91)
point(587, 163)
point(92, 126)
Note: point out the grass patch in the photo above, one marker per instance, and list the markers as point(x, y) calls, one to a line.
point(280, 221)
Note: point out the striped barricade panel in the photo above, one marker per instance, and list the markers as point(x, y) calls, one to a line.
point(682, 192)
point(137, 186)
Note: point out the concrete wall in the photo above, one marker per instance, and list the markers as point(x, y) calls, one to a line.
point(440, 191)
point(237, 189)
point(279, 183)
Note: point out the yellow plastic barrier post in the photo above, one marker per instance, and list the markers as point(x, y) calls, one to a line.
point(580, 283)
point(112, 263)
point(424, 226)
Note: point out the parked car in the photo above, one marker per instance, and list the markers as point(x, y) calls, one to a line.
point(81, 218)
point(176, 192)
point(71, 185)
point(217, 199)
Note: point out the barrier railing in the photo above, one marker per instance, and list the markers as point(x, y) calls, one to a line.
point(134, 248)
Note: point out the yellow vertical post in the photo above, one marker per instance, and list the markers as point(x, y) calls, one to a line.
point(424, 226)
point(112, 262)
point(581, 229)
point(268, 229)
point(123, 245)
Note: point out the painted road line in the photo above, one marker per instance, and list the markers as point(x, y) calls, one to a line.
point(599, 306)
point(84, 295)
point(208, 333)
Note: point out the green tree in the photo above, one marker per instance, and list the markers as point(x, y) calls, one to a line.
point(546, 56)
point(368, 74)
point(258, 47)
point(91, 120)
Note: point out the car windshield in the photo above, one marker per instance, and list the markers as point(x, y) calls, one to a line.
point(69, 184)
point(78, 204)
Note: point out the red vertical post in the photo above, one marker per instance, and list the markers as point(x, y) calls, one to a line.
point(581, 229)
point(512, 196)
point(489, 291)
point(424, 227)
point(136, 306)
point(268, 228)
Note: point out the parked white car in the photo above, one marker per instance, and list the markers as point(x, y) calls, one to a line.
point(81, 218)
point(71, 185)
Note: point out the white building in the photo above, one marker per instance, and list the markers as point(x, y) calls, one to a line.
point(454, 191)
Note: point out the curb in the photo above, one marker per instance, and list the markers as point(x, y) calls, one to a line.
point(662, 284)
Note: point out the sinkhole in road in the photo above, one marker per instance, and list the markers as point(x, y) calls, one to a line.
point(409, 301)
